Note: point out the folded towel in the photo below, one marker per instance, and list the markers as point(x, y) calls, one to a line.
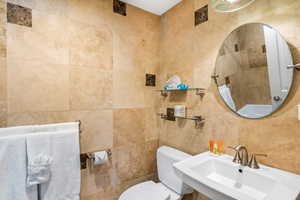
point(226, 94)
point(13, 170)
point(38, 170)
point(64, 183)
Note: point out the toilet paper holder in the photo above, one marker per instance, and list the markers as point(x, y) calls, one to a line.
point(84, 157)
point(90, 155)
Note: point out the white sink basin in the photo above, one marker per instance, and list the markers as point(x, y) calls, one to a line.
point(219, 178)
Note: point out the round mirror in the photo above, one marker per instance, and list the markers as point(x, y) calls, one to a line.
point(251, 70)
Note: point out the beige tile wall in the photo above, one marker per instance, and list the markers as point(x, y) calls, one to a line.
point(3, 69)
point(191, 51)
point(81, 61)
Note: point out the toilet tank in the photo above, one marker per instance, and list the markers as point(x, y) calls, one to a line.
point(166, 157)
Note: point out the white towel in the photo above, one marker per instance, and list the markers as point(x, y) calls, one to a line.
point(18, 130)
point(64, 183)
point(39, 158)
point(57, 127)
point(13, 170)
point(226, 94)
point(38, 170)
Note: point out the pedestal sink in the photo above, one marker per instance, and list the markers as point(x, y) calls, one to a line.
point(218, 178)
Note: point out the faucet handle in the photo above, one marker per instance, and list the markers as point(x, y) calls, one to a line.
point(253, 162)
point(237, 157)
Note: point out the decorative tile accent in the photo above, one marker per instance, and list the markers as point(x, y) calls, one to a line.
point(120, 7)
point(236, 48)
point(201, 15)
point(150, 80)
point(171, 114)
point(83, 160)
point(19, 15)
point(264, 50)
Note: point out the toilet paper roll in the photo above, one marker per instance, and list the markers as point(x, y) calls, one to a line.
point(100, 158)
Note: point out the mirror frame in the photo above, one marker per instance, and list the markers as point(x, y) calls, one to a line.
point(292, 78)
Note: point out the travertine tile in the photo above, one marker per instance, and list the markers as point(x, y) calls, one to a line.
point(92, 12)
point(43, 43)
point(149, 156)
point(2, 29)
point(94, 181)
point(129, 92)
point(3, 79)
point(41, 81)
point(3, 113)
point(129, 126)
point(90, 88)
point(151, 124)
point(90, 45)
point(32, 118)
point(134, 160)
point(97, 129)
point(58, 7)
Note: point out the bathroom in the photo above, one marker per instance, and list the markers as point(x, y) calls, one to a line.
point(105, 63)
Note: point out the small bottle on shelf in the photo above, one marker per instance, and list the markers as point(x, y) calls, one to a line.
point(211, 146)
point(220, 147)
point(215, 148)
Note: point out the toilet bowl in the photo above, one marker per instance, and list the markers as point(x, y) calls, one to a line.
point(170, 187)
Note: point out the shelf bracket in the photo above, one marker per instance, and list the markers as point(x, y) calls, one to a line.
point(163, 93)
point(162, 115)
point(198, 121)
point(200, 92)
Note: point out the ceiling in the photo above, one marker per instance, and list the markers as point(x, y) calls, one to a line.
point(157, 7)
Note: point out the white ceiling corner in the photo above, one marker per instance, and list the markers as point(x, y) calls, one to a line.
point(157, 7)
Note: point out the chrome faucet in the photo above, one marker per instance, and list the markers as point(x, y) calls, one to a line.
point(241, 155)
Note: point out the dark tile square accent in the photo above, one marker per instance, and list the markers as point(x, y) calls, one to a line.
point(83, 160)
point(19, 15)
point(120, 7)
point(264, 50)
point(227, 80)
point(236, 48)
point(171, 114)
point(150, 80)
point(201, 15)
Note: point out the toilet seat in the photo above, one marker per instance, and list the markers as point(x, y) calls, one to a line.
point(146, 191)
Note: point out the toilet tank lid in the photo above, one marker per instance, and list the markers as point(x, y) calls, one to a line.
point(173, 153)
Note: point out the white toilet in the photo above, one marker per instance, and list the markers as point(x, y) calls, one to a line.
point(170, 187)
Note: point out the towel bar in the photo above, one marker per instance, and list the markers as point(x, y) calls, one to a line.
point(80, 131)
point(296, 66)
